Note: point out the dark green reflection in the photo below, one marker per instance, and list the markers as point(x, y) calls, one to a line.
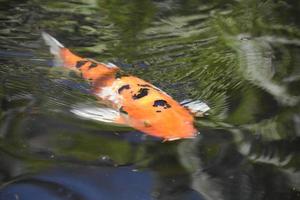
point(129, 18)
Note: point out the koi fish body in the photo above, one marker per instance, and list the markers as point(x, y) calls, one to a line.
point(131, 101)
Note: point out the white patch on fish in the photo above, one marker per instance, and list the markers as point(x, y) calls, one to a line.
point(111, 94)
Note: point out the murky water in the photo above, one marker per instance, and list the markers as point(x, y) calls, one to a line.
point(240, 57)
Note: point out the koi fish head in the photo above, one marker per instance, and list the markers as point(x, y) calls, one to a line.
point(169, 127)
point(152, 111)
point(164, 119)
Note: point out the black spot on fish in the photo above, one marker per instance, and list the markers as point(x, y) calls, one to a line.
point(93, 65)
point(141, 93)
point(120, 74)
point(161, 103)
point(158, 111)
point(80, 63)
point(149, 86)
point(124, 87)
point(123, 111)
point(144, 85)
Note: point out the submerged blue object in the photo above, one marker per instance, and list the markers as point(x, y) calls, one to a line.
point(84, 183)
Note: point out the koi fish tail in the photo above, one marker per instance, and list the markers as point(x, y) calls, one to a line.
point(62, 56)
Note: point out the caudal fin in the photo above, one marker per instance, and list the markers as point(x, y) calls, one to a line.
point(62, 56)
point(55, 48)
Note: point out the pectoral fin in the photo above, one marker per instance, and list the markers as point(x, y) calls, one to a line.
point(101, 114)
point(197, 107)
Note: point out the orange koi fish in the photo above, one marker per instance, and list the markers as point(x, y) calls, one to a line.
point(130, 101)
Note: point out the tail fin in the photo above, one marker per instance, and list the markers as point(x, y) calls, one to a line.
point(55, 48)
point(62, 56)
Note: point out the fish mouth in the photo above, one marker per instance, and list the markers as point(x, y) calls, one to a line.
point(179, 138)
point(172, 139)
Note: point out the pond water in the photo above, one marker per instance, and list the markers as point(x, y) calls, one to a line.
point(240, 57)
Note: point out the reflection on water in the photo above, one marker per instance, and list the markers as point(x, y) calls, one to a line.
point(241, 57)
